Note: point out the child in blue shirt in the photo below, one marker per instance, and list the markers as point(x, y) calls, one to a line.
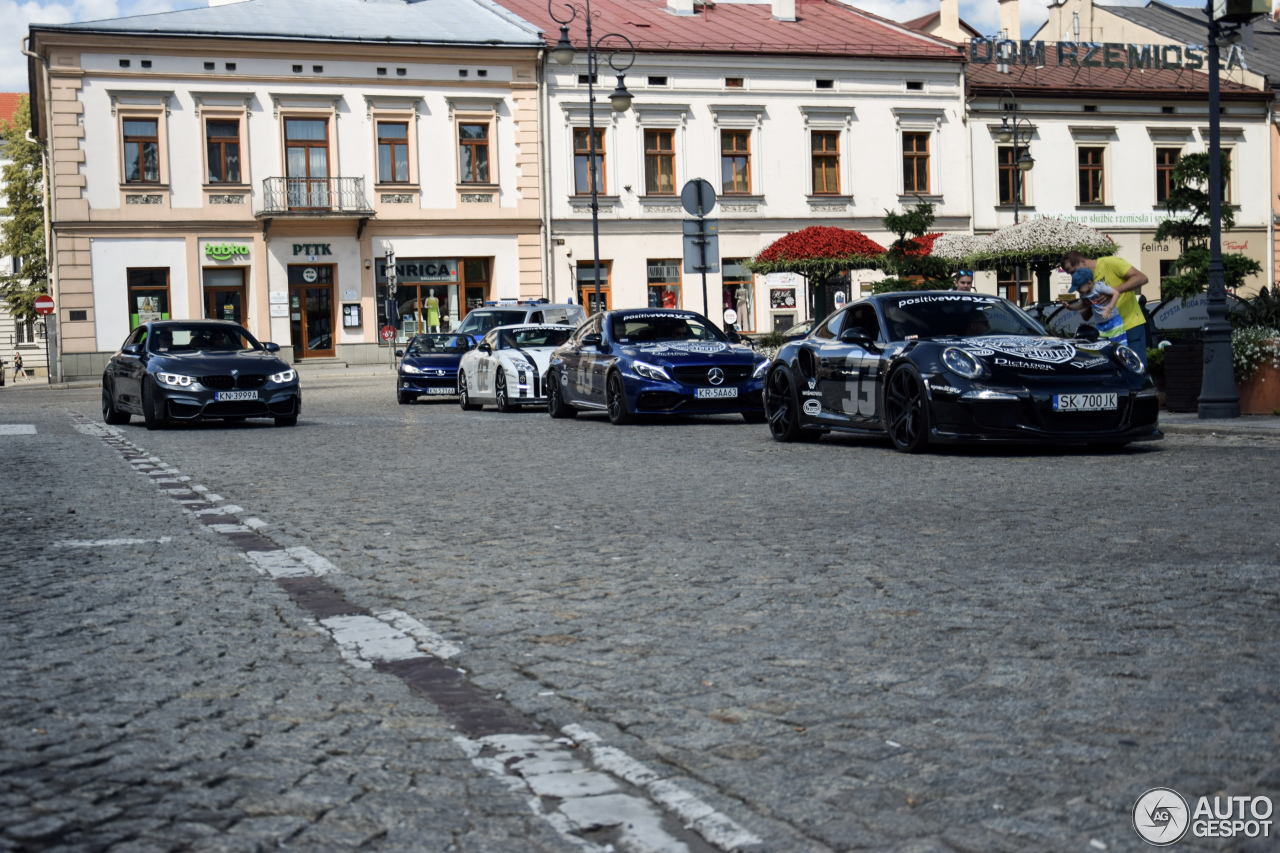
point(1103, 298)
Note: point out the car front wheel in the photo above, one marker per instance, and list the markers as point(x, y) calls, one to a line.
point(556, 406)
point(782, 408)
point(615, 397)
point(152, 420)
point(500, 391)
point(906, 410)
point(464, 398)
point(110, 414)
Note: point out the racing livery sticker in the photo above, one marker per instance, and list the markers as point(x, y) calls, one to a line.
point(687, 347)
point(812, 407)
point(1034, 349)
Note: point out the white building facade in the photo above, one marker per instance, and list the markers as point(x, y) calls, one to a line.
point(233, 162)
point(819, 136)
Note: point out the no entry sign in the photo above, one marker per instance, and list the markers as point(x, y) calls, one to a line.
point(44, 304)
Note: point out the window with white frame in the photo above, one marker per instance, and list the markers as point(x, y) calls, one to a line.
point(1091, 174)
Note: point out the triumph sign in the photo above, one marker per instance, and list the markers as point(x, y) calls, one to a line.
point(1090, 54)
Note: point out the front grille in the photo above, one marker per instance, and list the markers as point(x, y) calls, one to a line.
point(658, 401)
point(1084, 421)
point(225, 382)
point(235, 407)
point(697, 376)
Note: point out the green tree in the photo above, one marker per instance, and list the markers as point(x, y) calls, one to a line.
point(1189, 195)
point(22, 232)
point(908, 260)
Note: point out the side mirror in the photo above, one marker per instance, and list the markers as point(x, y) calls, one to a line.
point(131, 349)
point(399, 353)
point(592, 340)
point(485, 348)
point(270, 347)
point(733, 336)
point(857, 336)
point(1087, 333)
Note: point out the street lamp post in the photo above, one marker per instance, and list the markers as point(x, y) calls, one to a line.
point(1218, 396)
point(564, 53)
point(1012, 130)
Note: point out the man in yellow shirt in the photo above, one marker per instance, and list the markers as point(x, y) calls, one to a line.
point(1126, 280)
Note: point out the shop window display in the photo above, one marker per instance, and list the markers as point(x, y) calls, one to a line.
point(664, 283)
point(148, 296)
point(738, 294)
point(587, 287)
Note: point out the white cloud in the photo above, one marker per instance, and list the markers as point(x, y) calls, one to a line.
point(20, 15)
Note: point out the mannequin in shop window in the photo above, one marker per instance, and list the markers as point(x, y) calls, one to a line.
point(668, 298)
point(433, 311)
point(743, 298)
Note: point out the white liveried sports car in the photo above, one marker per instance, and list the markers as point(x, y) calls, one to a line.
point(507, 366)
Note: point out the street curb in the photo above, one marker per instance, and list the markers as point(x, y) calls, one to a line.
point(1219, 431)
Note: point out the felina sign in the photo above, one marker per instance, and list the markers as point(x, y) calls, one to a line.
point(1091, 54)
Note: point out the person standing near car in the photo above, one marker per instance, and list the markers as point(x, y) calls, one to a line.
point(17, 366)
point(1125, 279)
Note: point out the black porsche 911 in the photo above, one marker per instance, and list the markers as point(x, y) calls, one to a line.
point(188, 370)
point(943, 366)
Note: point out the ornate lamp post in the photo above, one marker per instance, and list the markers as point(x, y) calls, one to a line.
point(1018, 131)
point(564, 53)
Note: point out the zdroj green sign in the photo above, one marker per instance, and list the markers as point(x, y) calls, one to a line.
point(225, 251)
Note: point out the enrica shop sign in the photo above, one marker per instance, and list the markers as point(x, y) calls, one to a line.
point(425, 270)
point(1092, 54)
point(225, 251)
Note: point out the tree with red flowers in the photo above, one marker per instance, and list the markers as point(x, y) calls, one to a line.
point(817, 252)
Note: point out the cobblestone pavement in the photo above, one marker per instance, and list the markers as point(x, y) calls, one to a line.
point(834, 646)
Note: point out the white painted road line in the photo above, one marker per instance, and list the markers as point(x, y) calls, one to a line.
point(428, 640)
point(17, 429)
point(108, 543)
point(365, 640)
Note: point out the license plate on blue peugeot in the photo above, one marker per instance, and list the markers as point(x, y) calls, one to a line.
point(714, 393)
point(1084, 402)
point(235, 395)
point(440, 390)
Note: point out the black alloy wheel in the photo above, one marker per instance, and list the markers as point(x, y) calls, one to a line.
point(615, 397)
point(149, 416)
point(464, 399)
point(110, 414)
point(405, 399)
point(500, 391)
point(906, 410)
point(556, 406)
point(782, 408)
point(291, 420)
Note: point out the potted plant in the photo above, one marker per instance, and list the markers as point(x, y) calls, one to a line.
point(1255, 354)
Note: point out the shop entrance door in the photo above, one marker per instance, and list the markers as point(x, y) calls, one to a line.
point(311, 311)
point(224, 295)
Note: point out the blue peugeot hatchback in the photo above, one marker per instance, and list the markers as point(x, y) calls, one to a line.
point(652, 361)
point(429, 366)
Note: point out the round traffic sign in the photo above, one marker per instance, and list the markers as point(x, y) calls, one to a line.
point(697, 197)
point(388, 332)
point(44, 304)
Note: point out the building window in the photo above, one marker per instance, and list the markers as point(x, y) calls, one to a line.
point(659, 162)
point(25, 331)
point(735, 162)
point(738, 294)
point(141, 151)
point(1010, 175)
point(473, 153)
point(1166, 159)
point(1092, 186)
point(734, 82)
point(224, 151)
point(915, 163)
point(306, 149)
point(148, 295)
point(826, 162)
point(583, 175)
point(393, 152)
point(1016, 291)
point(586, 275)
point(664, 283)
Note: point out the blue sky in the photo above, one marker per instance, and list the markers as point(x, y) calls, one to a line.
point(982, 14)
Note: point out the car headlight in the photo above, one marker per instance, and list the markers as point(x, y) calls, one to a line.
point(409, 368)
point(760, 369)
point(650, 371)
point(1130, 359)
point(284, 376)
point(961, 363)
point(175, 380)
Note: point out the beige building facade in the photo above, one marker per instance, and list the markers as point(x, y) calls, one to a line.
point(202, 171)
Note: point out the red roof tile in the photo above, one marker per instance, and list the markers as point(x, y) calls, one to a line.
point(1053, 79)
point(822, 27)
point(9, 105)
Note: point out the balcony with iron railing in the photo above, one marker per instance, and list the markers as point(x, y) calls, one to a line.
point(323, 197)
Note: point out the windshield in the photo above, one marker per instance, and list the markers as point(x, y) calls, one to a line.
point(537, 337)
point(651, 328)
point(963, 316)
point(436, 345)
point(478, 323)
point(198, 337)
